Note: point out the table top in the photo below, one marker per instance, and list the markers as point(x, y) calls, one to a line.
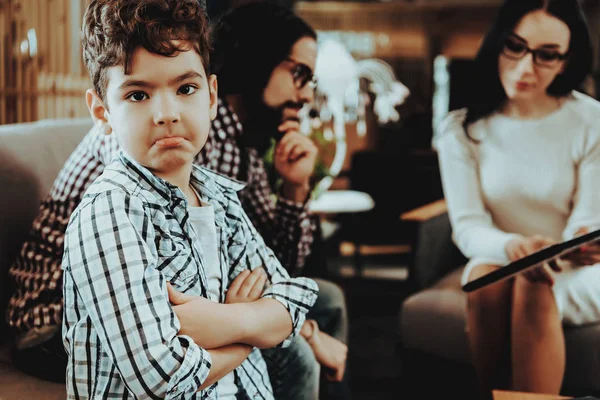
point(341, 201)
point(507, 395)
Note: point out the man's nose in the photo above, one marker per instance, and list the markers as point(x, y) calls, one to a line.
point(307, 94)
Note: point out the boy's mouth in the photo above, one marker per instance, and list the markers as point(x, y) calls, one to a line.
point(169, 142)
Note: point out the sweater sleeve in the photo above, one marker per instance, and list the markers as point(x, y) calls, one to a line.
point(586, 199)
point(473, 229)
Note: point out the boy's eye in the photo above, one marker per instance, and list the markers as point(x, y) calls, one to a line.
point(137, 96)
point(187, 89)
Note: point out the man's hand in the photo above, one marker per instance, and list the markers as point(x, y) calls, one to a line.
point(246, 287)
point(330, 353)
point(295, 156)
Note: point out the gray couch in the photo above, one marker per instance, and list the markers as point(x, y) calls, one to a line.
point(432, 321)
point(31, 155)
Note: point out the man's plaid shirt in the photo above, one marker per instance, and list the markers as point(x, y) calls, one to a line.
point(36, 273)
point(130, 235)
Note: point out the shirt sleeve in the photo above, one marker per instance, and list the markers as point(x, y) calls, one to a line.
point(112, 261)
point(249, 251)
point(473, 229)
point(586, 200)
point(286, 226)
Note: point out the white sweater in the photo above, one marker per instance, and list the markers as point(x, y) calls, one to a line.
point(526, 177)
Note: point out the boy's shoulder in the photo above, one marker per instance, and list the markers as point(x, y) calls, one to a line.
point(117, 181)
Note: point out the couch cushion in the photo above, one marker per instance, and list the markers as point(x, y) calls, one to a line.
point(15, 385)
point(433, 321)
point(31, 156)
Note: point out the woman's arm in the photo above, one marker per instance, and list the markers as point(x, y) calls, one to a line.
point(473, 229)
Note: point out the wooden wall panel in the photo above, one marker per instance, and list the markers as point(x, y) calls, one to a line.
point(41, 72)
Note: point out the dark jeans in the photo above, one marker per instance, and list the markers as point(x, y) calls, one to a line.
point(47, 361)
point(294, 371)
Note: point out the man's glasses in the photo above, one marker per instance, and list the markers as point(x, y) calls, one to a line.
point(302, 74)
point(515, 49)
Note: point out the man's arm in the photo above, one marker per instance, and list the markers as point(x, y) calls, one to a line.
point(283, 222)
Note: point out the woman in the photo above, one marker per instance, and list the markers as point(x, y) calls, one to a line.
point(520, 169)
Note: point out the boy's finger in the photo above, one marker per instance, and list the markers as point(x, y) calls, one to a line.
point(177, 298)
point(258, 287)
point(237, 282)
point(249, 282)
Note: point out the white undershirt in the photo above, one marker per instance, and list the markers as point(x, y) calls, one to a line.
point(525, 177)
point(203, 221)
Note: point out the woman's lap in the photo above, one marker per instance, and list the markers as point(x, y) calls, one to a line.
point(576, 291)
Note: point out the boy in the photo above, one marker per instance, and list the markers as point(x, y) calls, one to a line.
point(152, 218)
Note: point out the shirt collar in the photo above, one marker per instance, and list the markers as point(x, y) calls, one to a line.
point(211, 186)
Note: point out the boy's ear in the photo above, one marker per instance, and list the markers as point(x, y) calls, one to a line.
point(213, 86)
point(98, 111)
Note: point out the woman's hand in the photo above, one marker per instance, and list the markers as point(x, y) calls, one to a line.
point(585, 255)
point(522, 247)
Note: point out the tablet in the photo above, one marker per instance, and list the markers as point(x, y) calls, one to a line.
point(531, 261)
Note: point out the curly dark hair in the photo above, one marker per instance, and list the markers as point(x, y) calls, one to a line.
point(113, 29)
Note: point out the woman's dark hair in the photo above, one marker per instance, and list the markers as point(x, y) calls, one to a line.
point(486, 93)
point(250, 41)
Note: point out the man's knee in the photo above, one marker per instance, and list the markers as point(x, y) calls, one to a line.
point(294, 370)
point(331, 296)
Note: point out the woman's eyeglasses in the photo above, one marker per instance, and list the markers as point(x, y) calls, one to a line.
point(515, 49)
point(302, 74)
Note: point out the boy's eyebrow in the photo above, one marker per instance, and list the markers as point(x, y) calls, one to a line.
point(548, 45)
point(191, 74)
point(140, 83)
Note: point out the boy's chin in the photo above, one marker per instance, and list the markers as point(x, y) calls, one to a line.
point(171, 162)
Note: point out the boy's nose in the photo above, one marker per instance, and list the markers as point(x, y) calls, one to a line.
point(163, 118)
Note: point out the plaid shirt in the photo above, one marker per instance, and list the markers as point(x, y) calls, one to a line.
point(129, 236)
point(36, 273)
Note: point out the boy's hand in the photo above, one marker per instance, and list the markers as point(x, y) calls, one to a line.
point(246, 287)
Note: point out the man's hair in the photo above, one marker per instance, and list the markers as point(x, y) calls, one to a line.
point(249, 41)
point(113, 29)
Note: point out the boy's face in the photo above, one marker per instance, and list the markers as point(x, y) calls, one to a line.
point(161, 112)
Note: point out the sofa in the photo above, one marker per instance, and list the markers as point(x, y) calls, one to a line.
point(31, 155)
point(432, 324)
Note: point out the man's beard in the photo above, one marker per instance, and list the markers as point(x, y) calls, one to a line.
point(262, 123)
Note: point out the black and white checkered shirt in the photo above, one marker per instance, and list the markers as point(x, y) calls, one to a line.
point(37, 299)
point(130, 235)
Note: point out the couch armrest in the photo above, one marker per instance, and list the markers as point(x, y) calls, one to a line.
point(434, 254)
